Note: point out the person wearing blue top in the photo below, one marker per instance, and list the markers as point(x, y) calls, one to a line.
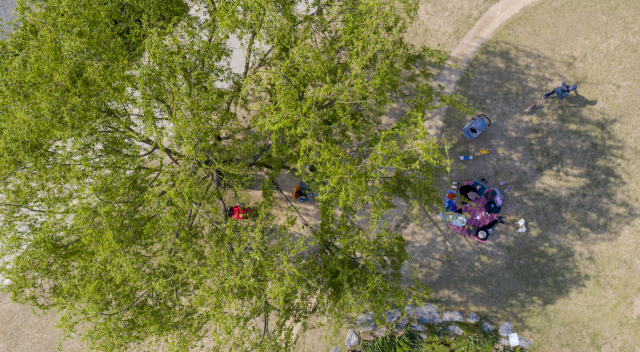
point(302, 193)
point(562, 92)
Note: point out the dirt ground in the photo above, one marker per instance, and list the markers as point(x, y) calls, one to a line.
point(442, 24)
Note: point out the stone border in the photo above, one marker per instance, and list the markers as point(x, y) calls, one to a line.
point(422, 315)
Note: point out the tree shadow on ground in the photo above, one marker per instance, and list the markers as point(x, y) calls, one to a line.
point(562, 163)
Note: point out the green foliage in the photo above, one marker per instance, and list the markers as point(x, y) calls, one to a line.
point(124, 133)
point(388, 344)
point(406, 342)
point(433, 339)
point(475, 339)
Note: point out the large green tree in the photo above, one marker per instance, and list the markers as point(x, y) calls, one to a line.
point(124, 135)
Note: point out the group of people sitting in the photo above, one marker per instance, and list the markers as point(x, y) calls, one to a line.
point(469, 193)
point(483, 232)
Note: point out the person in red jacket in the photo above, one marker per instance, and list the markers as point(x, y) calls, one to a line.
point(240, 212)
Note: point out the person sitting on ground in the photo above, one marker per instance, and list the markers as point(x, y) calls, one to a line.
point(299, 195)
point(468, 192)
point(483, 231)
point(239, 212)
point(562, 92)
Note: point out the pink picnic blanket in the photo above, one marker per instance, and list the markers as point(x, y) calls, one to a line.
point(476, 209)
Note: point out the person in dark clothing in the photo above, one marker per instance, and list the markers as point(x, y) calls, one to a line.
point(483, 231)
point(468, 193)
point(299, 194)
point(465, 190)
point(562, 92)
point(239, 212)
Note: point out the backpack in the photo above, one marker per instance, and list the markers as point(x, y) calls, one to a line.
point(492, 207)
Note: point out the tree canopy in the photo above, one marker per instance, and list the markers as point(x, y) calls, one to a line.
point(125, 134)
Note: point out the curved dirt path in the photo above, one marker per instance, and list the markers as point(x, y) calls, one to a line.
point(495, 16)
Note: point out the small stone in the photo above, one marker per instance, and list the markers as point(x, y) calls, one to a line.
point(473, 318)
point(424, 336)
point(455, 329)
point(380, 332)
point(336, 349)
point(352, 339)
point(453, 316)
point(415, 327)
point(410, 311)
point(366, 322)
point(392, 315)
point(428, 314)
point(401, 324)
point(505, 329)
point(525, 343)
point(504, 341)
point(486, 326)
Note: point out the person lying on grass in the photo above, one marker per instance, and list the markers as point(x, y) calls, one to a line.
point(483, 231)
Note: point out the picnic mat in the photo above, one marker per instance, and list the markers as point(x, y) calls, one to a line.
point(475, 208)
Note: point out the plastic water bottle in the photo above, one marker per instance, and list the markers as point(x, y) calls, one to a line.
point(466, 157)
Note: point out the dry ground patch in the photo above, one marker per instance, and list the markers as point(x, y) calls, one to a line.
point(442, 24)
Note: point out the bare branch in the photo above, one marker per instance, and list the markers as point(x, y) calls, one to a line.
point(284, 197)
point(127, 307)
point(35, 210)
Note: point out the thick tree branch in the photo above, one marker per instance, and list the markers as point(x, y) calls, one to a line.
point(255, 159)
point(286, 199)
point(127, 307)
point(35, 210)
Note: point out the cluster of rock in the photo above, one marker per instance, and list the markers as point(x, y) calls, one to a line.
point(505, 330)
point(427, 314)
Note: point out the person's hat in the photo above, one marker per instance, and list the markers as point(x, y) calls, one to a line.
point(482, 235)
